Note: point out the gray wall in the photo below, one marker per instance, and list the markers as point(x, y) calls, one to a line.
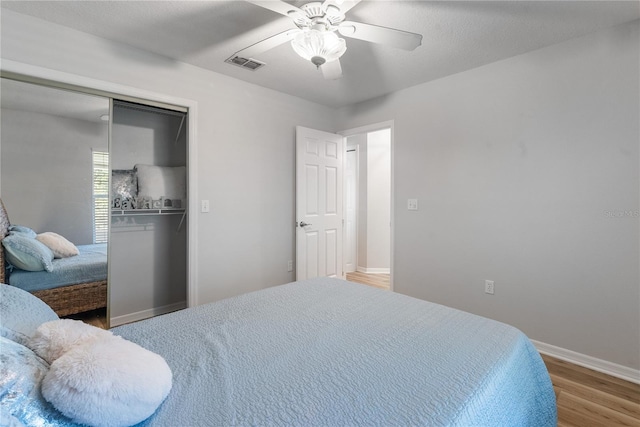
point(46, 172)
point(524, 170)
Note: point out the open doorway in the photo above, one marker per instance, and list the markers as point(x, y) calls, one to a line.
point(367, 201)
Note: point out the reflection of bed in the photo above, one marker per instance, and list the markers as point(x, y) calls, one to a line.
point(76, 284)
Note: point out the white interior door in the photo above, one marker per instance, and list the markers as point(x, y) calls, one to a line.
point(319, 199)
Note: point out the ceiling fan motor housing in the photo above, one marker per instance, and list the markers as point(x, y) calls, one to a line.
point(329, 16)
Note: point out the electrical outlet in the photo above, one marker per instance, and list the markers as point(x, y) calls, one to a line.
point(412, 204)
point(488, 287)
point(290, 265)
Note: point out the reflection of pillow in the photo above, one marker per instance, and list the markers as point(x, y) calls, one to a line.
point(124, 184)
point(52, 339)
point(23, 230)
point(20, 397)
point(61, 247)
point(21, 313)
point(157, 181)
point(27, 253)
point(110, 382)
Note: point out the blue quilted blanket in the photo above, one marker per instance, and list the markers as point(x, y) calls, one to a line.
point(326, 352)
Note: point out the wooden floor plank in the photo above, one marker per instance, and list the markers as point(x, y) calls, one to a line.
point(583, 412)
point(602, 398)
point(381, 281)
point(597, 380)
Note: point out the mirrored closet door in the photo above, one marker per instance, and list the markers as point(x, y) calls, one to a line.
point(99, 186)
point(54, 181)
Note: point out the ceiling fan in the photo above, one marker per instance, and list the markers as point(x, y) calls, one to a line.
point(315, 38)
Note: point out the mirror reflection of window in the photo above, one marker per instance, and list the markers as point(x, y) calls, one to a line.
point(100, 187)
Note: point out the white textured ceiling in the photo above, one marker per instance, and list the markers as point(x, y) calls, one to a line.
point(458, 35)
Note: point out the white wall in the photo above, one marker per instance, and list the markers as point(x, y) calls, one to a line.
point(379, 201)
point(246, 147)
point(47, 172)
point(360, 141)
point(524, 170)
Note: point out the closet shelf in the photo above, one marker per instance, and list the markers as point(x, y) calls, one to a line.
point(143, 212)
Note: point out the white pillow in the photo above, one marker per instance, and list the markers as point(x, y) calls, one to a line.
point(61, 247)
point(53, 339)
point(159, 181)
point(109, 382)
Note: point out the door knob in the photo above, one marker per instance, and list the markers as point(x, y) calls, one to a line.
point(304, 224)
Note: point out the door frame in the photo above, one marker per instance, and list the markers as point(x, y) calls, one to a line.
point(33, 74)
point(357, 191)
point(388, 124)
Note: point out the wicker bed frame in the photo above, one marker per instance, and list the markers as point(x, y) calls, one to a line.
point(64, 300)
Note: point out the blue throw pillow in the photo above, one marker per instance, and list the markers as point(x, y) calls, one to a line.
point(27, 253)
point(21, 229)
point(21, 313)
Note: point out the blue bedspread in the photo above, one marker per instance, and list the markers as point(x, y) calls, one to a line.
point(89, 266)
point(326, 352)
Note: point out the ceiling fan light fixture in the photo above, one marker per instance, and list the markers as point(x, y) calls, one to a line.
point(319, 46)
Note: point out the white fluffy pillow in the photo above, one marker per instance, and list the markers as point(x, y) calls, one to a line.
point(160, 181)
point(61, 247)
point(52, 339)
point(109, 382)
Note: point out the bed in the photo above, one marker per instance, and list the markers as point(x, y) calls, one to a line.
point(76, 284)
point(326, 352)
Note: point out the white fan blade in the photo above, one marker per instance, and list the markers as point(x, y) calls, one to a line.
point(382, 35)
point(331, 70)
point(266, 44)
point(281, 7)
point(344, 6)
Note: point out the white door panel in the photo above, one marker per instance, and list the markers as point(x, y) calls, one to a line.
point(319, 157)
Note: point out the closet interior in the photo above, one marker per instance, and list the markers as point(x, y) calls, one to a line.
point(148, 229)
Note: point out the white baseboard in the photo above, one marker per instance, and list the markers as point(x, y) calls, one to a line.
point(609, 368)
point(145, 314)
point(374, 270)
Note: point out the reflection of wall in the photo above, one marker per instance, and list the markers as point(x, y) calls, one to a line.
point(46, 172)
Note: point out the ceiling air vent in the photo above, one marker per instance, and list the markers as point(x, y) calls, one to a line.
point(249, 64)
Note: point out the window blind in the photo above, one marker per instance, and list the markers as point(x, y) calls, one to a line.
point(100, 184)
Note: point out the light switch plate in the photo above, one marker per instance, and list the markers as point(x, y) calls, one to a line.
point(412, 204)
